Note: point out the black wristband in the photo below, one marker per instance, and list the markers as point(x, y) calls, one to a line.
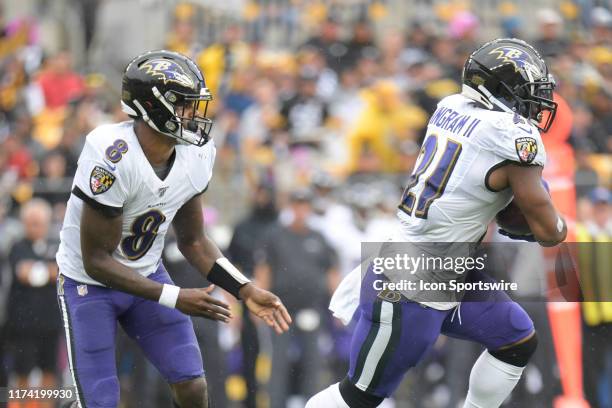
point(230, 280)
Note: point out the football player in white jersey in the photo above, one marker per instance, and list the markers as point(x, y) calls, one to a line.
point(133, 180)
point(482, 151)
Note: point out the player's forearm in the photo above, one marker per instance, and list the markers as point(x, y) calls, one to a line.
point(533, 199)
point(545, 223)
point(106, 270)
point(201, 253)
point(205, 256)
point(550, 232)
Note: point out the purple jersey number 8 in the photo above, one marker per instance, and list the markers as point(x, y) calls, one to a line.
point(144, 231)
point(115, 152)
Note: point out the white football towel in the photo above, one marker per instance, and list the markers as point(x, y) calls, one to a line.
point(345, 299)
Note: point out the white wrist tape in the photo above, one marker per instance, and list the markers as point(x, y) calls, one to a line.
point(560, 224)
point(169, 296)
point(232, 270)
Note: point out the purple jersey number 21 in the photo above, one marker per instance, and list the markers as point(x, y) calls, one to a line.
point(436, 182)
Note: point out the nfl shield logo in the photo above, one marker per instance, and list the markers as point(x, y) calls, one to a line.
point(390, 295)
point(82, 290)
point(60, 285)
point(526, 149)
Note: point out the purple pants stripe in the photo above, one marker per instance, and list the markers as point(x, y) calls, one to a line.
point(69, 343)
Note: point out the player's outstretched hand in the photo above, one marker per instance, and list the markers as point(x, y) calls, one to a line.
point(199, 302)
point(267, 306)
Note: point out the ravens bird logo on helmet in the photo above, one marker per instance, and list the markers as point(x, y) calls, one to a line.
point(168, 71)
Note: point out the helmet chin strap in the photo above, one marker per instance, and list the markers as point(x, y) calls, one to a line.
point(184, 134)
point(494, 100)
point(490, 100)
point(188, 134)
point(145, 117)
point(148, 121)
point(471, 93)
point(127, 109)
point(162, 99)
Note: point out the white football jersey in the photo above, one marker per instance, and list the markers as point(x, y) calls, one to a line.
point(113, 172)
point(447, 198)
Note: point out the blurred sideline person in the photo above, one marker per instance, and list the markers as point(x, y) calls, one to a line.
point(335, 221)
point(297, 263)
point(206, 330)
point(3, 353)
point(34, 335)
point(483, 151)
point(10, 232)
point(305, 113)
point(386, 125)
point(241, 251)
point(134, 179)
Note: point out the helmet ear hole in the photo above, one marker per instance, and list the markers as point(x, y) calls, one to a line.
point(170, 97)
point(171, 126)
point(522, 92)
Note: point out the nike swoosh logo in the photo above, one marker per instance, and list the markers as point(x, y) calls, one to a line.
point(528, 130)
point(110, 166)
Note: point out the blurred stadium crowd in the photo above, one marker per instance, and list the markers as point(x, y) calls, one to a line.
point(319, 111)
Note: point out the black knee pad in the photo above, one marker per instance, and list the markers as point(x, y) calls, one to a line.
point(517, 355)
point(176, 405)
point(191, 393)
point(355, 398)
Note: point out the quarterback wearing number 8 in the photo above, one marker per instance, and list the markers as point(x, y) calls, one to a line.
point(482, 152)
point(133, 180)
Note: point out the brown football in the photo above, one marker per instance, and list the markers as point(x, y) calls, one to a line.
point(512, 220)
